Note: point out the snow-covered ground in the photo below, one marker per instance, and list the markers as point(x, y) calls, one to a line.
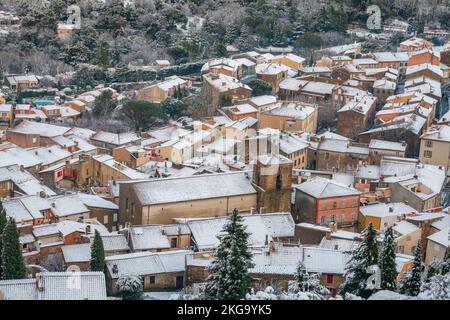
point(160, 295)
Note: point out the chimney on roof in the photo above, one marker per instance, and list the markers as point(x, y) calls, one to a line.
point(53, 205)
point(391, 209)
point(115, 269)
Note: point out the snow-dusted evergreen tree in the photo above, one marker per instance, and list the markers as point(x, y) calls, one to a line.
point(386, 262)
point(307, 282)
point(232, 33)
point(364, 256)
point(270, 294)
point(437, 288)
point(3, 222)
point(13, 266)
point(97, 253)
point(434, 268)
point(130, 287)
point(413, 279)
point(244, 42)
point(446, 262)
point(228, 274)
point(298, 29)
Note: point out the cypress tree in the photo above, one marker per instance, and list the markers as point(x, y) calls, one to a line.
point(97, 253)
point(364, 256)
point(3, 222)
point(13, 266)
point(413, 279)
point(229, 278)
point(387, 262)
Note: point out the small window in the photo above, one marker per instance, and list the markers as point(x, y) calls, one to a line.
point(105, 219)
point(151, 279)
point(173, 242)
point(429, 144)
point(322, 220)
point(427, 154)
point(329, 278)
point(344, 204)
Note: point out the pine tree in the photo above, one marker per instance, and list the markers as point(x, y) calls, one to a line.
point(97, 253)
point(364, 256)
point(13, 266)
point(387, 262)
point(229, 278)
point(3, 222)
point(413, 279)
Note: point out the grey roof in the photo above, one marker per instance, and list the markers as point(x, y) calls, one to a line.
point(285, 260)
point(148, 237)
point(42, 129)
point(146, 263)
point(95, 201)
point(260, 226)
point(319, 187)
point(82, 252)
point(67, 205)
point(386, 210)
point(24, 289)
point(73, 286)
point(115, 242)
point(193, 188)
point(57, 286)
point(77, 253)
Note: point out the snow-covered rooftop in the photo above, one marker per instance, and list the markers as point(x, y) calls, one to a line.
point(262, 227)
point(319, 187)
point(146, 263)
point(43, 129)
point(387, 145)
point(387, 209)
point(117, 139)
point(193, 188)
